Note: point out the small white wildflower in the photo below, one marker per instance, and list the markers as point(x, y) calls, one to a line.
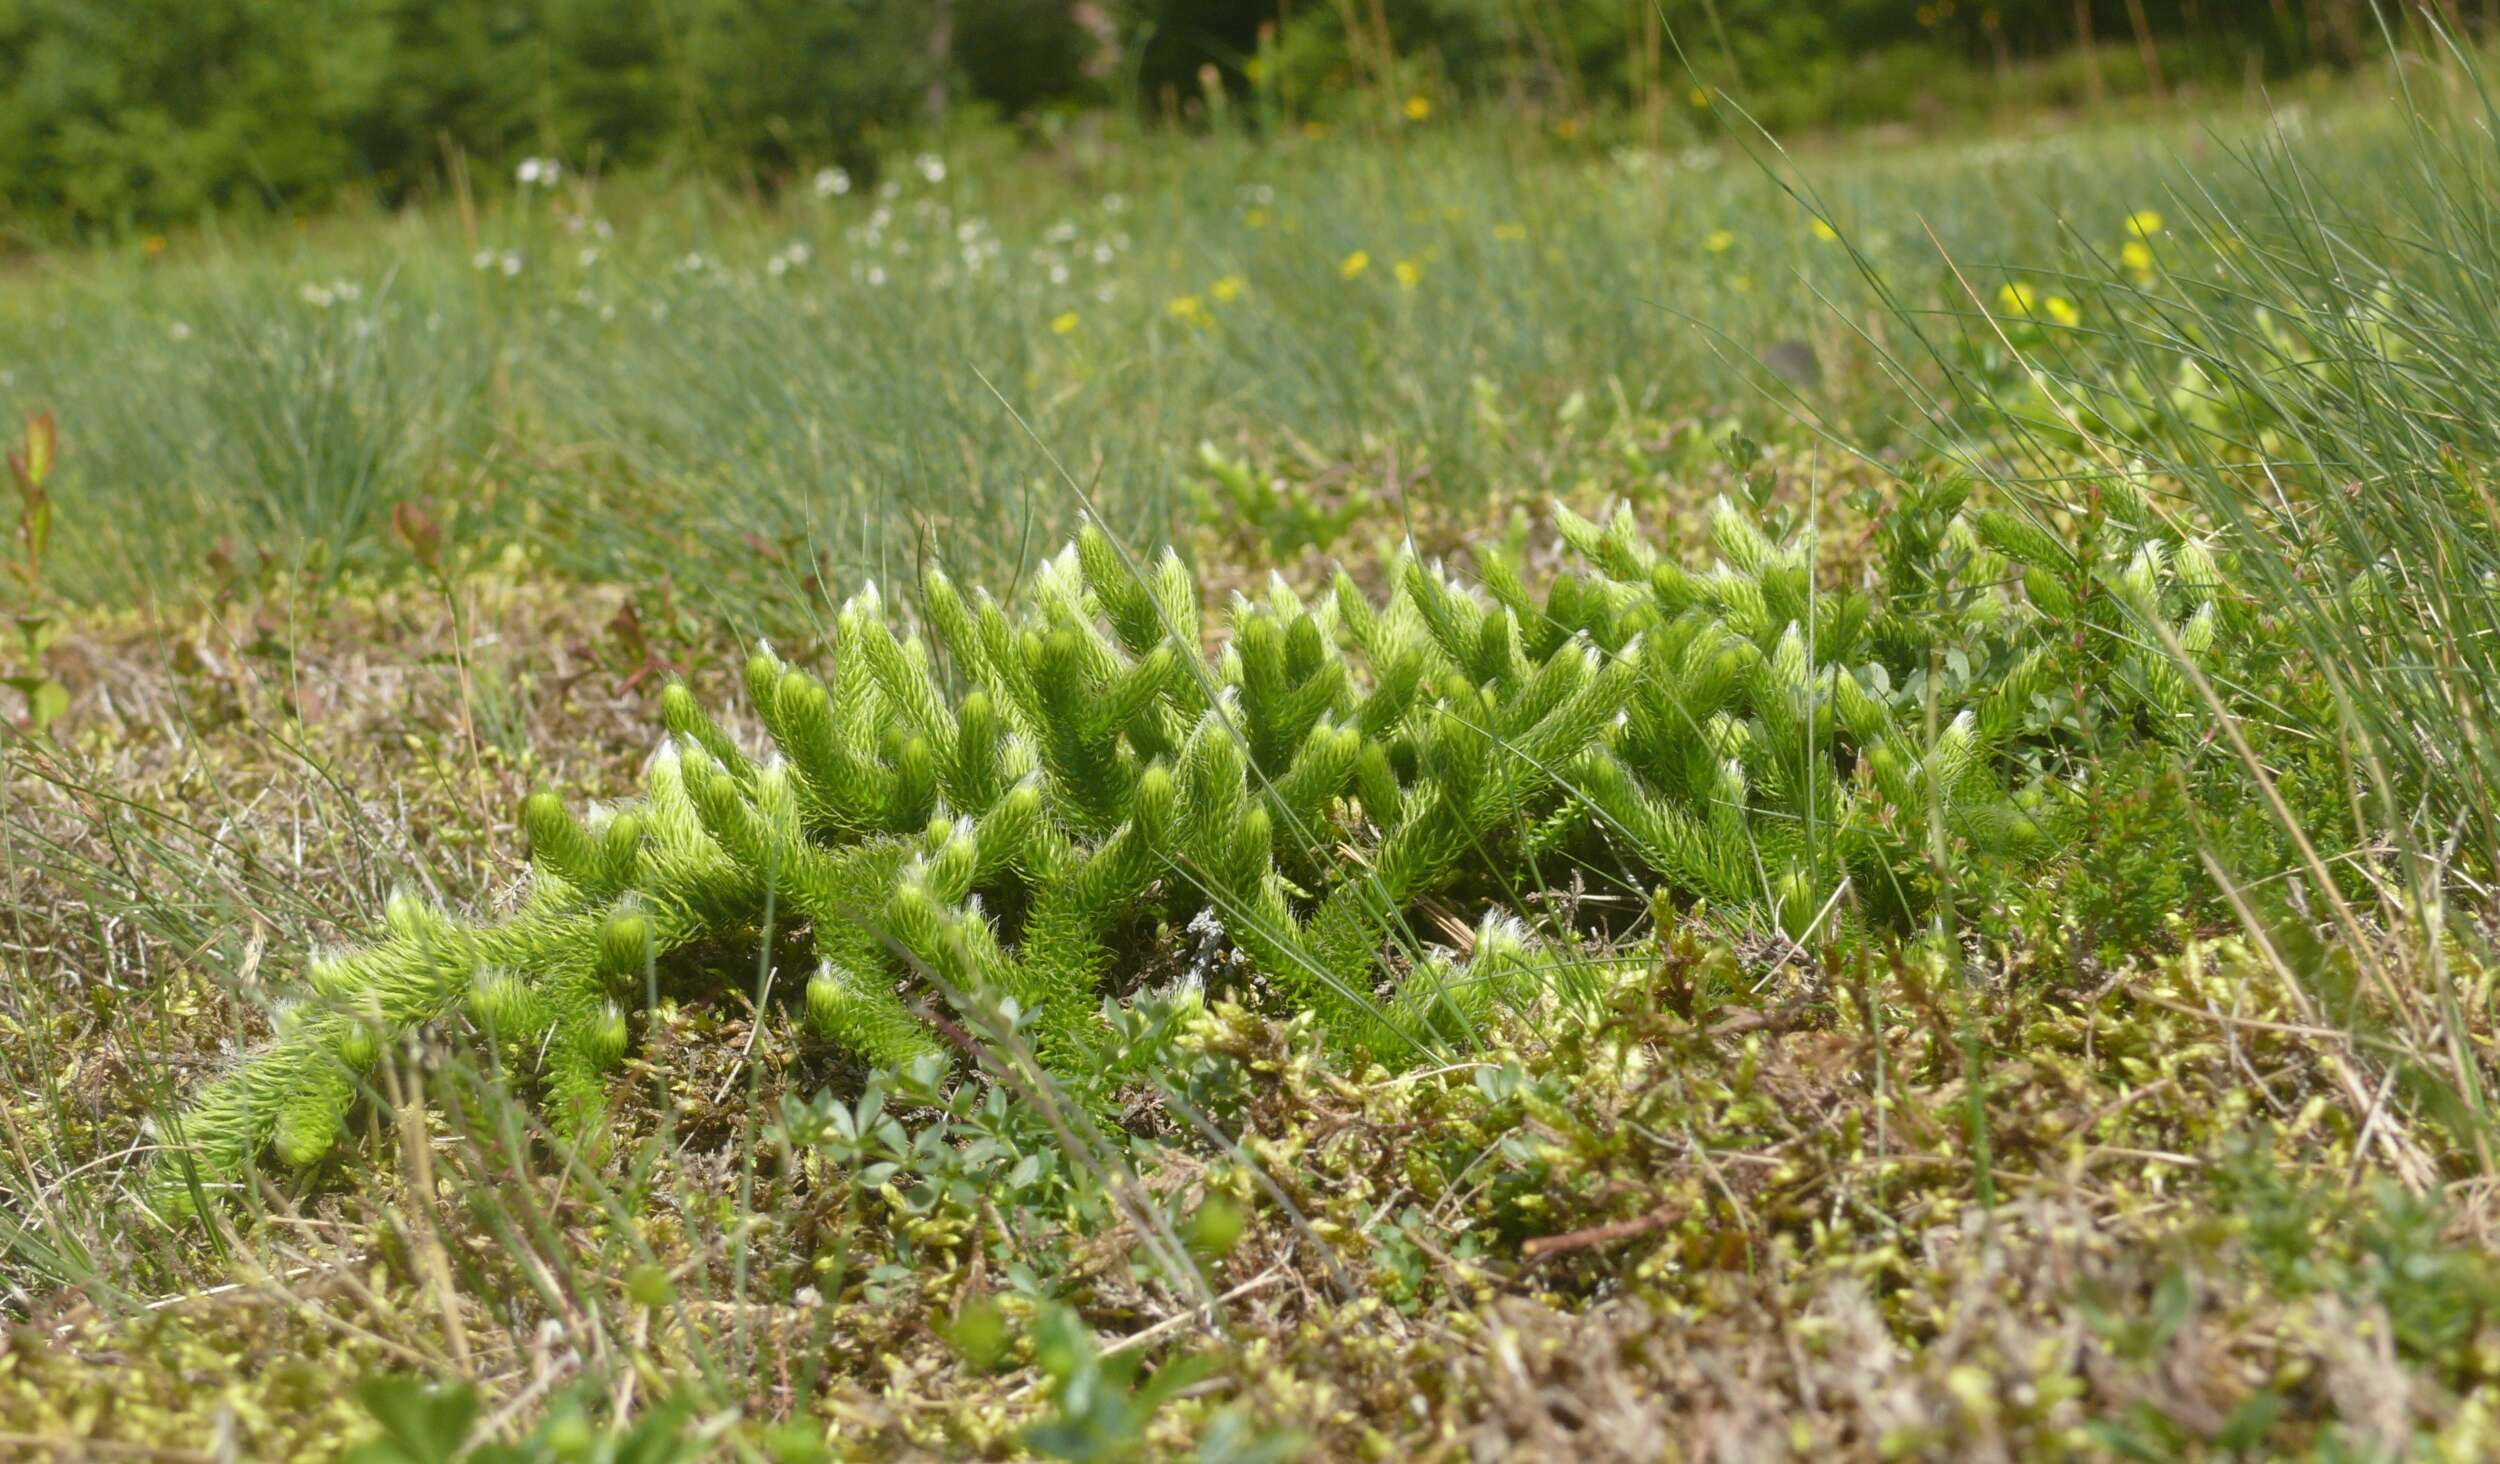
point(931, 166)
point(1104, 254)
point(315, 295)
point(876, 274)
point(777, 266)
point(832, 182)
point(1114, 203)
point(1058, 274)
point(180, 330)
point(589, 255)
point(511, 262)
point(483, 259)
point(538, 172)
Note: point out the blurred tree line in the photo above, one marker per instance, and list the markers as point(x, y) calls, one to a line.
point(126, 113)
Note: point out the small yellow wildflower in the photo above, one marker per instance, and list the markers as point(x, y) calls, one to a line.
point(1064, 322)
point(1822, 230)
point(1254, 70)
point(1418, 108)
point(2018, 299)
point(1353, 265)
point(1569, 128)
point(1256, 218)
point(1189, 310)
point(154, 244)
point(1228, 289)
point(1409, 273)
point(2063, 311)
point(1700, 96)
point(1510, 233)
point(2144, 223)
point(2136, 256)
point(1720, 241)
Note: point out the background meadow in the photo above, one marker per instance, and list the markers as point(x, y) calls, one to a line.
point(630, 381)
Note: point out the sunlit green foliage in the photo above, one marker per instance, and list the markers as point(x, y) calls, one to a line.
point(990, 850)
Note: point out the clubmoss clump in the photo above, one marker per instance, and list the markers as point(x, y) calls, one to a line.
point(1795, 755)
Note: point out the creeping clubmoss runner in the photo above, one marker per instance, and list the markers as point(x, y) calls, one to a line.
point(1734, 736)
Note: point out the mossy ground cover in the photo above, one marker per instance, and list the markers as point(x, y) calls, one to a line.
point(2112, 1094)
point(1735, 1202)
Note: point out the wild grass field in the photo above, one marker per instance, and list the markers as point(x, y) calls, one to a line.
point(1828, 800)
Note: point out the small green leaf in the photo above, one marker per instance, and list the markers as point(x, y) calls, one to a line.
point(979, 1332)
point(649, 1286)
point(422, 1422)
